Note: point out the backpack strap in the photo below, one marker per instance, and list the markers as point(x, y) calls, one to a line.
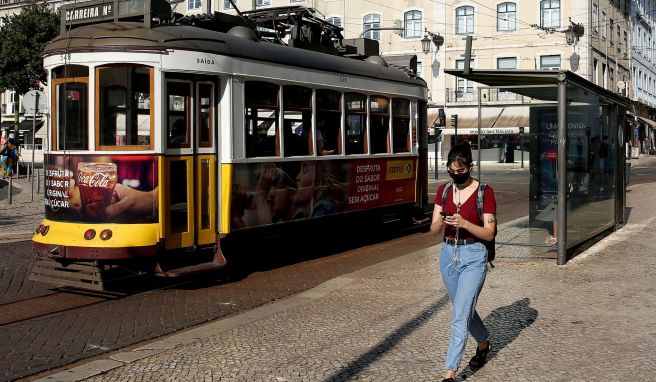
point(445, 193)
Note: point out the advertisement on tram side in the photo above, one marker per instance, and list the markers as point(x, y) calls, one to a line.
point(269, 193)
point(101, 188)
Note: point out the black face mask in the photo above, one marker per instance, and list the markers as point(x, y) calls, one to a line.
point(459, 178)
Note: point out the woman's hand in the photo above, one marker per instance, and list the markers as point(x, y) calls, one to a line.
point(457, 221)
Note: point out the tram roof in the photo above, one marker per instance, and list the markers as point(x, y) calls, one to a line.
point(135, 36)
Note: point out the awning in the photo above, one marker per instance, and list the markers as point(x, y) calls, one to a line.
point(26, 124)
point(484, 131)
point(648, 121)
point(508, 119)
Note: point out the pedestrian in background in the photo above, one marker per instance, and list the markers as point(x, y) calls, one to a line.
point(463, 256)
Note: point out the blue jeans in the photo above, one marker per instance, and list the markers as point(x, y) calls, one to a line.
point(463, 270)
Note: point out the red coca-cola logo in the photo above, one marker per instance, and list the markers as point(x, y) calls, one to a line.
point(94, 180)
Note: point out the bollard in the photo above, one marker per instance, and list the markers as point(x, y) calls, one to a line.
point(11, 188)
point(38, 181)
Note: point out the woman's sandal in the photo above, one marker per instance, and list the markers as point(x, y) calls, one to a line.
point(480, 358)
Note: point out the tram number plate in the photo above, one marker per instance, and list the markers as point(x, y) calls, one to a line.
point(342, 79)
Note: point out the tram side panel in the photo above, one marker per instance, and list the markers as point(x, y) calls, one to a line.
point(270, 193)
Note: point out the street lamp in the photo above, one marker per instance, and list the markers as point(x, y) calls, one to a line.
point(429, 38)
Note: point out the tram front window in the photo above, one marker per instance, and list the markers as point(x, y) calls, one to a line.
point(356, 123)
point(379, 124)
point(71, 94)
point(261, 119)
point(124, 106)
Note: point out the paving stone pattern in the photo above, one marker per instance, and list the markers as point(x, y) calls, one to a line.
point(590, 320)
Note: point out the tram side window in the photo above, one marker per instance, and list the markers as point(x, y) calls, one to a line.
point(71, 94)
point(329, 121)
point(401, 125)
point(205, 114)
point(261, 118)
point(179, 113)
point(379, 118)
point(297, 120)
point(356, 123)
point(125, 106)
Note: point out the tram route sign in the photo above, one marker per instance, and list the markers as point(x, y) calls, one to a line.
point(90, 12)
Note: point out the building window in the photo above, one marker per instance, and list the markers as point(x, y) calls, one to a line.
point(603, 24)
point(464, 88)
point(262, 3)
point(507, 63)
point(371, 21)
point(551, 62)
point(336, 21)
point(464, 20)
point(595, 71)
point(506, 17)
point(595, 17)
point(227, 5)
point(550, 13)
point(193, 5)
point(420, 69)
point(612, 30)
point(412, 24)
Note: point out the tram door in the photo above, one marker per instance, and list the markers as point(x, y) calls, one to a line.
point(190, 162)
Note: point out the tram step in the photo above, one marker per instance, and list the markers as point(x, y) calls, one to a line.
point(190, 270)
point(76, 275)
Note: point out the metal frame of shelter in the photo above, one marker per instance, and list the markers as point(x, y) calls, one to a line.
point(540, 84)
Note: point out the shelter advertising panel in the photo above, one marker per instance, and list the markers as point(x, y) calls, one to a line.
point(101, 188)
point(270, 193)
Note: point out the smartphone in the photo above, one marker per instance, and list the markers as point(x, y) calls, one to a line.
point(445, 214)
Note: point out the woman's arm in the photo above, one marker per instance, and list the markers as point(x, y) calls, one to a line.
point(437, 224)
point(484, 233)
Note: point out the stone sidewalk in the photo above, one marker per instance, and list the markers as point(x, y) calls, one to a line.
point(19, 219)
point(592, 319)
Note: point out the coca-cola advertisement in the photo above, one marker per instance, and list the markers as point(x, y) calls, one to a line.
point(101, 188)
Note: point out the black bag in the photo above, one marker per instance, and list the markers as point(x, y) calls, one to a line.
point(480, 199)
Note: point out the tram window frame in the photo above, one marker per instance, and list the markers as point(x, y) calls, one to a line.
point(400, 126)
point(132, 109)
point(379, 124)
point(205, 127)
point(329, 110)
point(256, 109)
point(173, 131)
point(356, 137)
point(297, 112)
point(81, 134)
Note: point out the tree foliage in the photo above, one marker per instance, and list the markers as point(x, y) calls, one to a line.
point(22, 38)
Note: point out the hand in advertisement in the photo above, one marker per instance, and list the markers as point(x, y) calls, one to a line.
point(127, 200)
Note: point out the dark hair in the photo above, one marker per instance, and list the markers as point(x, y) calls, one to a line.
point(461, 154)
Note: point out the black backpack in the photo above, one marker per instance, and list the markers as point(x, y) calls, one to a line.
point(480, 198)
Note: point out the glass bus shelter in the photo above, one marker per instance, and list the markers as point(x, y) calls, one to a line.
point(572, 152)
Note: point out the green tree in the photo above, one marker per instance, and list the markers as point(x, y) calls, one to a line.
point(22, 38)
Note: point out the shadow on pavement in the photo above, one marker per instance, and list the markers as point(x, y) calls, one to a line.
point(350, 371)
point(505, 325)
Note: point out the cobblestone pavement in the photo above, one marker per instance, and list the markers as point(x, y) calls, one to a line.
point(18, 219)
point(590, 320)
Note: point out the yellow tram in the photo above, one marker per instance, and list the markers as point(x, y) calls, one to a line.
point(168, 133)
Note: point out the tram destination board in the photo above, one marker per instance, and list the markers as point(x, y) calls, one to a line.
point(103, 10)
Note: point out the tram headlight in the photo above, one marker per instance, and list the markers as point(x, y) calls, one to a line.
point(106, 234)
point(89, 234)
point(44, 229)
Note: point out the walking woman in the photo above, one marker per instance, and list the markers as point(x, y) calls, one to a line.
point(463, 257)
